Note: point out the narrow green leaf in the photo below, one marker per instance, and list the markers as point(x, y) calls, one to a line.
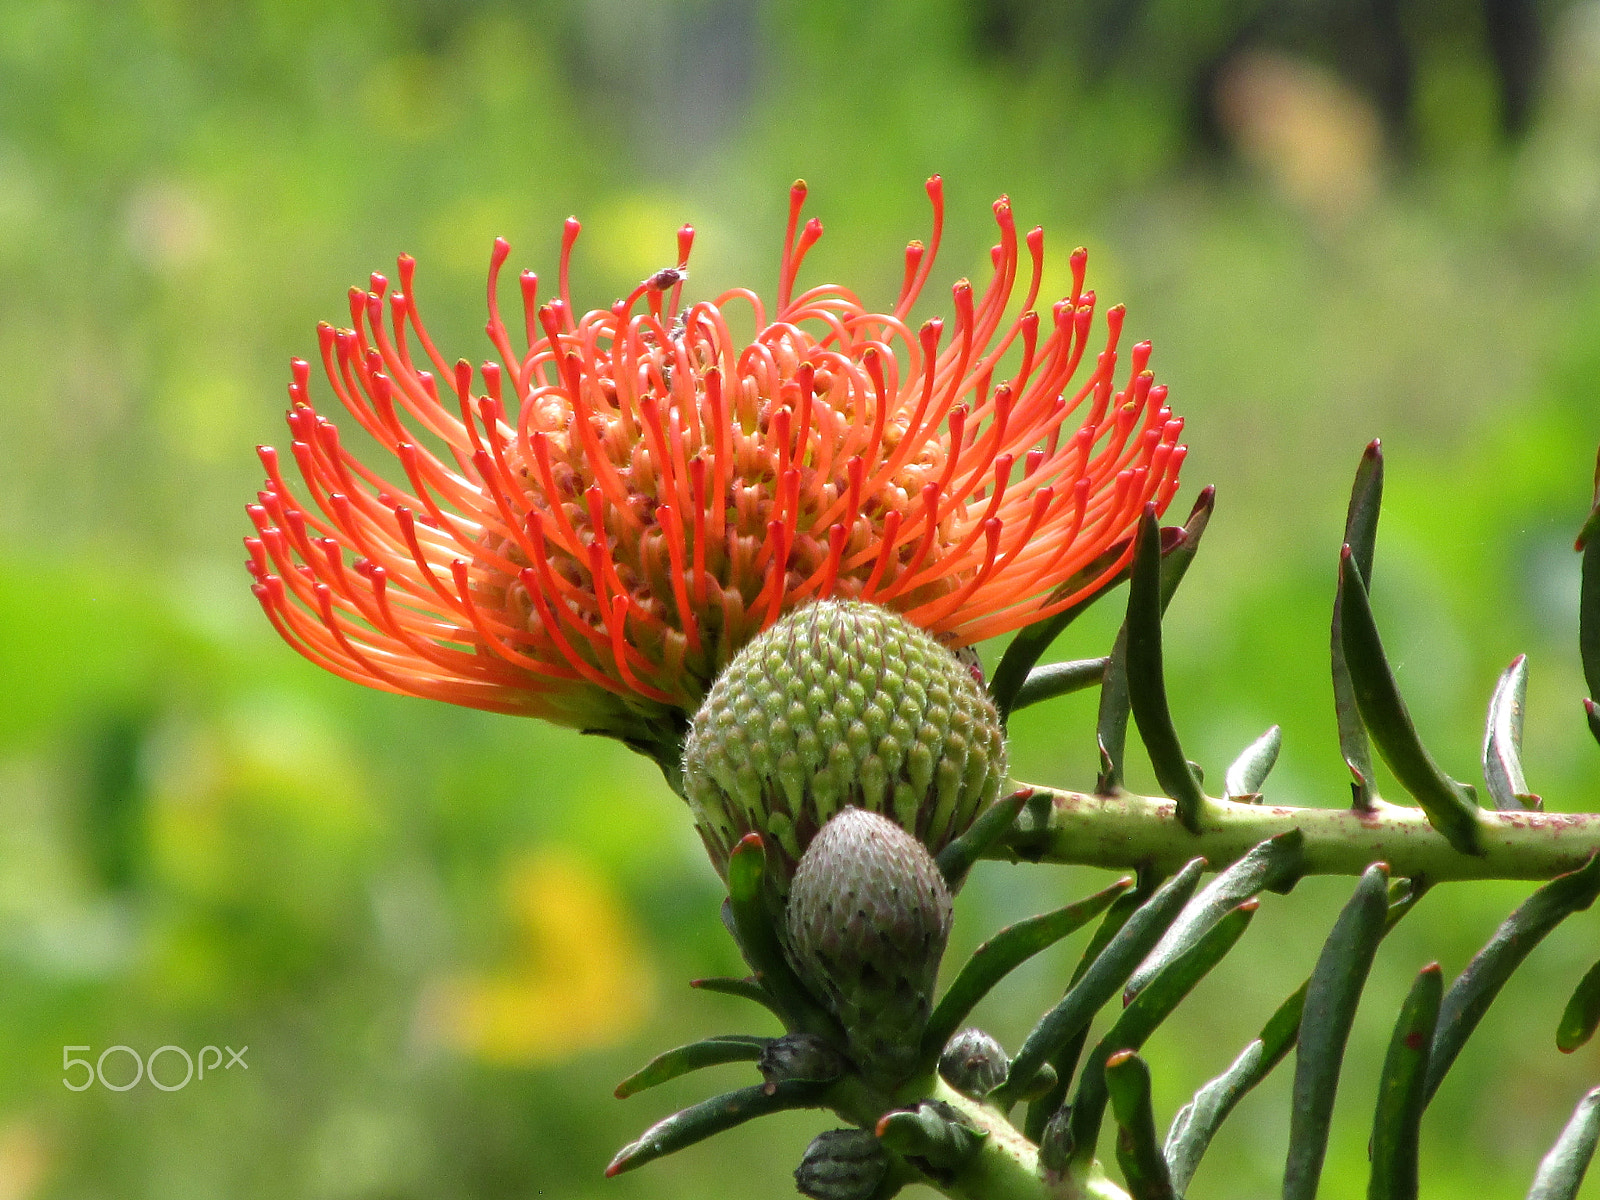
point(1100, 982)
point(1138, 1154)
point(1589, 592)
point(1561, 1171)
point(1582, 1014)
point(747, 868)
point(1474, 990)
point(1398, 1118)
point(1502, 741)
point(1198, 1121)
point(1145, 1013)
point(1111, 722)
point(1064, 1062)
point(1591, 712)
point(1059, 679)
point(1001, 955)
point(1147, 689)
point(749, 988)
point(1331, 998)
point(713, 1116)
point(1274, 863)
point(1031, 641)
point(711, 1052)
point(1360, 534)
point(1249, 771)
point(956, 859)
point(1451, 807)
point(933, 1132)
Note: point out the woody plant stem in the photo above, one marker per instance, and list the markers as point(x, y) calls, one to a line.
point(1126, 831)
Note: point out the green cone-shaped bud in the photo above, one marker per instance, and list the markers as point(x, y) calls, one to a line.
point(867, 921)
point(841, 704)
point(799, 1056)
point(973, 1063)
point(1057, 1144)
point(842, 1164)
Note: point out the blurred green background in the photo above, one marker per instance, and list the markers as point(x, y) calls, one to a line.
point(445, 935)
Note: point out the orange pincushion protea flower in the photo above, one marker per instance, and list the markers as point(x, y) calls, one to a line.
point(592, 535)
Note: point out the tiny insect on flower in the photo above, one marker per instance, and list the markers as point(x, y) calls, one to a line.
point(588, 529)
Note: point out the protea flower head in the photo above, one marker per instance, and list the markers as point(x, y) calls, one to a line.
point(591, 524)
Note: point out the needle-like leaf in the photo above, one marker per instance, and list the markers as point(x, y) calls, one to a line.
point(1099, 983)
point(712, 1116)
point(1398, 1118)
point(1476, 987)
point(710, 1052)
point(1360, 534)
point(1147, 689)
point(1331, 998)
point(1001, 955)
point(1451, 807)
point(1272, 864)
point(1138, 1153)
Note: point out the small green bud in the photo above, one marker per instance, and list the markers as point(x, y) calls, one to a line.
point(867, 921)
point(799, 1056)
point(842, 1164)
point(1057, 1143)
point(841, 704)
point(973, 1063)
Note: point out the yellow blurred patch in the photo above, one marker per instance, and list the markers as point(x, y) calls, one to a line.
point(1317, 140)
point(635, 235)
point(24, 1160)
point(578, 978)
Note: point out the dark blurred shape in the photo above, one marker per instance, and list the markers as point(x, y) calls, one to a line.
point(1373, 45)
point(115, 799)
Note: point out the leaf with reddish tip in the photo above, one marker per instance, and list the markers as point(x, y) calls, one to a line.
point(1582, 1014)
point(1144, 1168)
point(1398, 1118)
point(1178, 548)
point(1147, 689)
point(934, 1132)
point(710, 1052)
point(712, 1116)
point(1274, 864)
point(1064, 1062)
point(1361, 535)
point(1476, 987)
point(1502, 741)
point(1198, 1121)
point(1451, 807)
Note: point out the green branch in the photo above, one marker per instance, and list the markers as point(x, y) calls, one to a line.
point(1128, 832)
